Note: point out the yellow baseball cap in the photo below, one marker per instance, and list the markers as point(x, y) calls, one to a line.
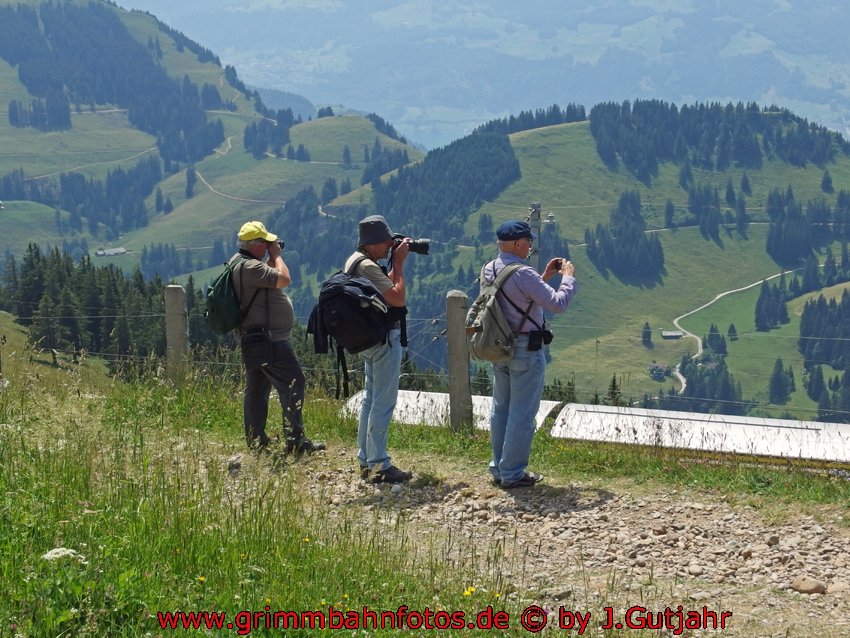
point(255, 230)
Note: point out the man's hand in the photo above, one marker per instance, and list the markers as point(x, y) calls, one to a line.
point(274, 250)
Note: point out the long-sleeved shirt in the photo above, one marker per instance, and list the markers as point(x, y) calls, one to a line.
point(527, 285)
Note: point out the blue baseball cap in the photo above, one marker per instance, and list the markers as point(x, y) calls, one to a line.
point(513, 230)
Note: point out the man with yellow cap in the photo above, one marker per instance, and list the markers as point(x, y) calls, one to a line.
point(271, 310)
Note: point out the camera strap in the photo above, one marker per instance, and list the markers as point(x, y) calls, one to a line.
point(524, 313)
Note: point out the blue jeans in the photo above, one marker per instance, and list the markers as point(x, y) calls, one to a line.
point(383, 364)
point(517, 388)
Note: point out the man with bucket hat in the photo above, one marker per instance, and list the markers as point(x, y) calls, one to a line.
point(382, 362)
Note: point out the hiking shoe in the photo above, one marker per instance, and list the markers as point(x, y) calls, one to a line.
point(260, 443)
point(303, 446)
point(392, 475)
point(529, 479)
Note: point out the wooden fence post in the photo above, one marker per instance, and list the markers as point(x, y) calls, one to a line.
point(460, 393)
point(176, 332)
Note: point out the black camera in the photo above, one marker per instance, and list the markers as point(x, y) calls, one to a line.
point(418, 246)
point(280, 243)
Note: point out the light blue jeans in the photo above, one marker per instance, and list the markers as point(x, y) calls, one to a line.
point(383, 364)
point(517, 388)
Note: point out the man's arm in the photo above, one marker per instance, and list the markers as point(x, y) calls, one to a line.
point(396, 295)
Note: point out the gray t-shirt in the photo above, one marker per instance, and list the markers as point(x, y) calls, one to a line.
point(254, 274)
point(371, 270)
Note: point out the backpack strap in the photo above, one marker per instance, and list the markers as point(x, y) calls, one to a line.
point(401, 312)
point(243, 312)
point(356, 263)
point(507, 271)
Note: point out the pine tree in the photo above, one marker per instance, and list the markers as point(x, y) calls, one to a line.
point(824, 406)
point(668, 214)
point(778, 389)
point(191, 179)
point(745, 185)
point(614, 395)
point(730, 192)
point(826, 182)
point(646, 335)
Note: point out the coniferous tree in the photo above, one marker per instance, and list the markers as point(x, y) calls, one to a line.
point(646, 335)
point(779, 387)
point(730, 193)
point(191, 179)
point(826, 182)
point(824, 407)
point(745, 185)
point(668, 214)
point(614, 396)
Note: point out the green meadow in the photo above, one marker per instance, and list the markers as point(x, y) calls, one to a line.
point(121, 501)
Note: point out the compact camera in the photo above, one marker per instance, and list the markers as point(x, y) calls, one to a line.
point(418, 246)
point(280, 243)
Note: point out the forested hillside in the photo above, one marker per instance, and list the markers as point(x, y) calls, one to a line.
point(171, 154)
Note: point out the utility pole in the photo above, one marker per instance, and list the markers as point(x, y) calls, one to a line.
point(534, 221)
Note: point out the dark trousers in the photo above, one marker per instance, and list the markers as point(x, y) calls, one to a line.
point(286, 376)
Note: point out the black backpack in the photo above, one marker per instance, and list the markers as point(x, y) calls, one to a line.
point(222, 310)
point(351, 313)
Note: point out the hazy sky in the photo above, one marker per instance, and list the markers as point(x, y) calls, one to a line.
point(436, 69)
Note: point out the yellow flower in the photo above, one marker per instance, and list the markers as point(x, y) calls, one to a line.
point(202, 579)
point(268, 601)
point(306, 539)
point(497, 595)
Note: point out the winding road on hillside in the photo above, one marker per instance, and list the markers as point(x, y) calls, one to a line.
point(676, 321)
point(239, 199)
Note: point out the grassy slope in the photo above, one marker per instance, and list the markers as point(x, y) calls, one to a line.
point(600, 335)
point(247, 188)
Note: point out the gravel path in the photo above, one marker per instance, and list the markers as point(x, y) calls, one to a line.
point(584, 548)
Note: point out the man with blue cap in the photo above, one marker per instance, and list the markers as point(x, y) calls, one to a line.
point(518, 382)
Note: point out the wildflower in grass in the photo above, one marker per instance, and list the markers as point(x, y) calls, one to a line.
point(469, 591)
point(497, 595)
point(306, 539)
point(268, 601)
point(58, 553)
point(202, 579)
